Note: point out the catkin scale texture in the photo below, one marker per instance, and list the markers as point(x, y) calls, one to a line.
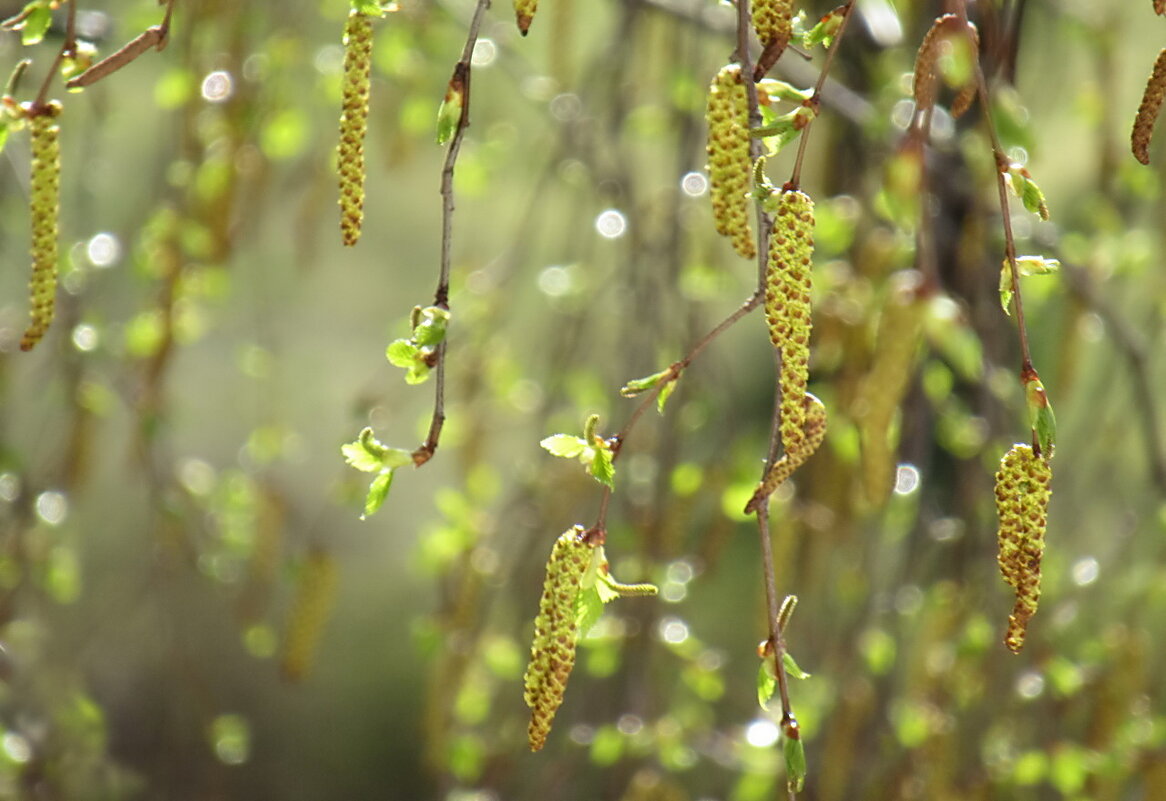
point(1148, 110)
point(311, 609)
point(1022, 500)
point(354, 124)
point(556, 631)
point(788, 284)
point(813, 432)
point(44, 209)
point(773, 22)
point(729, 164)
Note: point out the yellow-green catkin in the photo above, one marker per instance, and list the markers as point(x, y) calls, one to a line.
point(44, 208)
point(354, 124)
point(315, 595)
point(1148, 111)
point(556, 631)
point(773, 22)
point(813, 432)
point(900, 329)
point(729, 164)
point(524, 13)
point(787, 308)
point(1022, 502)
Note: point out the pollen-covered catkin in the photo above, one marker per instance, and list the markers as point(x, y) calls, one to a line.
point(315, 594)
point(926, 78)
point(44, 208)
point(354, 124)
point(787, 307)
point(1022, 501)
point(524, 13)
point(814, 432)
point(900, 328)
point(773, 22)
point(1148, 110)
point(556, 631)
point(729, 165)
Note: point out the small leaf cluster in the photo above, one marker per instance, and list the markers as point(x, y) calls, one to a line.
point(418, 354)
point(593, 451)
point(1020, 181)
point(1025, 265)
point(369, 455)
point(666, 378)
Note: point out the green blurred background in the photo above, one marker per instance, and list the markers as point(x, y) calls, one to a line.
point(171, 479)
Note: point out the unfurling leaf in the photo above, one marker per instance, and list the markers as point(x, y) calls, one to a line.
point(824, 31)
point(564, 445)
point(795, 762)
point(1040, 413)
point(665, 393)
point(378, 490)
point(1020, 181)
point(638, 386)
point(429, 329)
point(449, 114)
point(766, 684)
point(791, 667)
point(602, 468)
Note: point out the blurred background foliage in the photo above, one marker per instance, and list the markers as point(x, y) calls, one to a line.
point(190, 606)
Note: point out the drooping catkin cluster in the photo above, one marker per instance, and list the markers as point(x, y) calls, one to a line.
point(524, 12)
point(556, 630)
point(729, 165)
point(315, 595)
point(1022, 501)
point(885, 385)
point(354, 124)
point(1148, 110)
point(787, 307)
point(813, 432)
point(44, 208)
point(773, 22)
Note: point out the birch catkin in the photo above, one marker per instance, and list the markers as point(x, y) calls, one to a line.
point(787, 307)
point(773, 22)
point(354, 124)
point(1022, 500)
point(814, 431)
point(315, 595)
point(729, 165)
point(44, 208)
point(556, 630)
point(1148, 110)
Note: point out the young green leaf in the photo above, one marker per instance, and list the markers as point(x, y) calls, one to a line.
point(564, 446)
point(370, 8)
point(402, 353)
point(665, 393)
point(791, 667)
point(823, 33)
point(430, 330)
point(378, 490)
point(1006, 287)
point(449, 113)
point(638, 386)
point(369, 455)
point(795, 763)
point(602, 468)
point(1040, 412)
point(36, 24)
point(766, 684)
point(589, 609)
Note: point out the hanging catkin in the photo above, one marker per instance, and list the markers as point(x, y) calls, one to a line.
point(556, 630)
point(44, 208)
point(315, 595)
point(1022, 501)
point(354, 124)
point(1148, 110)
point(729, 165)
point(773, 22)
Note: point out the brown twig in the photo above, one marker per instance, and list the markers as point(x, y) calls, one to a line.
point(67, 47)
point(156, 36)
point(1002, 164)
point(460, 79)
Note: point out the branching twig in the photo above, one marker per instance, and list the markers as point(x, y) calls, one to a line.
point(459, 81)
point(69, 46)
point(156, 36)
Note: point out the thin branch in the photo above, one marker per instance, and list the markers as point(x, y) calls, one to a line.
point(816, 100)
point(1002, 189)
point(459, 81)
point(67, 47)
